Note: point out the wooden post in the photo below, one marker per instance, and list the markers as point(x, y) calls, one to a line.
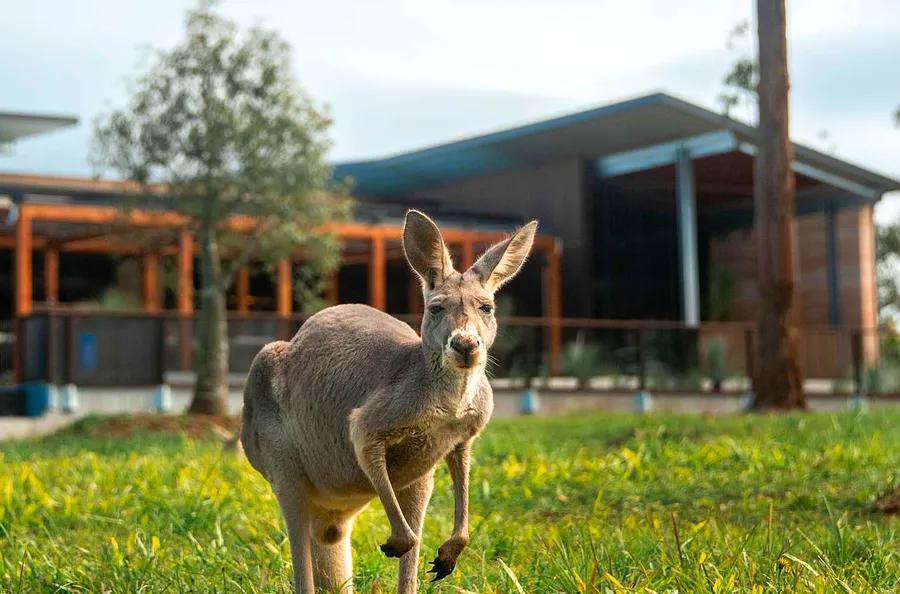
point(242, 288)
point(856, 346)
point(377, 273)
point(150, 281)
point(185, 273)
point(414, 293)
point(642, 359)
point(283, 290)
point(553, 304)
point(467, 253)
point(832, 269)
point(185, 298)
point(332, 289)
point(749, 359)
point(23, 262)
point(51, 275)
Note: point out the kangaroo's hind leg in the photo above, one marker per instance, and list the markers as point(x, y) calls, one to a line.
point(332, 558)
point(297, 521)
point(413, 500)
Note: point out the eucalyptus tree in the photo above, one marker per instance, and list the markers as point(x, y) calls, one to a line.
point(778, 382)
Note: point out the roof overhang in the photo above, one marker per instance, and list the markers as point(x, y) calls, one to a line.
point(19, 125)
point(616, 135)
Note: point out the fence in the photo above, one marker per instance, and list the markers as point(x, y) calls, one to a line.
point(103, 348)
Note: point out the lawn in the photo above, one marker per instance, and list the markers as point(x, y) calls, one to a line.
point(597, 503)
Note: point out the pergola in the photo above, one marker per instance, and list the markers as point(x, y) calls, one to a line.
point(52, 228)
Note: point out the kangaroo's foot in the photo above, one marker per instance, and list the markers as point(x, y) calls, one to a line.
point(445, 562)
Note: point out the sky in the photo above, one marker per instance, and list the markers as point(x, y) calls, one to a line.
point(399, 75)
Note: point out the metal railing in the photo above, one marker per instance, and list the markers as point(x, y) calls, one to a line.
point(135, 348)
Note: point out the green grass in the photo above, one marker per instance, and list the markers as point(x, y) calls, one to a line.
point(598, 503)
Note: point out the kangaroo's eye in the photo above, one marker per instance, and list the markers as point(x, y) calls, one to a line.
point(486, 308)
point(436, 309)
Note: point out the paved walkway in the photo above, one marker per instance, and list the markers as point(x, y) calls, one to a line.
point(23, 427)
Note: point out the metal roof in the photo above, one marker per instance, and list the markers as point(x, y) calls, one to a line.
point(606, 130)
point(17, 125)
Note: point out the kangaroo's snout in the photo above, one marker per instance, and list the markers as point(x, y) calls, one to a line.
point(464, 348)
point(464, 344)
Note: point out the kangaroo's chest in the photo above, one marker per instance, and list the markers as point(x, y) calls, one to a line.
point(417, 452)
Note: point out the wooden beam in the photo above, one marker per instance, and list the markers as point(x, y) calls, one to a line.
point(283, 290)
point(150, 281)
point(23, 262)
point(185, 273)
point(414, 293)
point(98, 245)
point(242, 289)
point(391, 254)
point(332, 289)
point(553, 305)
point(108, 215)
point(51, 275)
point(467, 253)
point(64, 183)
point(104, 245)
point(377, 273)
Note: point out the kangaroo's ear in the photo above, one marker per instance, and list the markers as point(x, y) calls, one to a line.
point(503, 260)
point(425, 249)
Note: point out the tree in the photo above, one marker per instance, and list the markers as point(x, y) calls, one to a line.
point(220, 123)
point(778, 384)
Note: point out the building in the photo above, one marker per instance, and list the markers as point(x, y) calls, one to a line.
point(646, 216)
point(649, 197)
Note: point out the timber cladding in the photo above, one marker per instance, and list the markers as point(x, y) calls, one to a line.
point(735, 252)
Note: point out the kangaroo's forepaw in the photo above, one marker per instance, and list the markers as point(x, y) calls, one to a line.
point(441, 567)
point(398, 546)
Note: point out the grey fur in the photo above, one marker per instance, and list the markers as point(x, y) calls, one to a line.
point(356, 405)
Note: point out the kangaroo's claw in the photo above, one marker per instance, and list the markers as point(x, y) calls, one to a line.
point(441, 568)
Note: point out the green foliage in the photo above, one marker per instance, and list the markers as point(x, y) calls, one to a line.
point(583, 360)
point(222, 122)
point(517, 345)
point(720, 294)
point(884, 375)
point(716, 365)
point(887, 245)
point(117, 299)
point(594, 503)
point(741, 81)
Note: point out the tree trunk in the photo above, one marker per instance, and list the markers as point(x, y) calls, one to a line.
point(778, 385)
point(211, 389)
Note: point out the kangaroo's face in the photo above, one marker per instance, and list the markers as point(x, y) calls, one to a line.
point(459, 319)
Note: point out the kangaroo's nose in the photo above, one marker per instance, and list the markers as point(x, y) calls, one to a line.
point(463, 344)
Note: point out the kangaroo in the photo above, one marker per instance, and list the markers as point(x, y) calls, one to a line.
point(357, 405)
